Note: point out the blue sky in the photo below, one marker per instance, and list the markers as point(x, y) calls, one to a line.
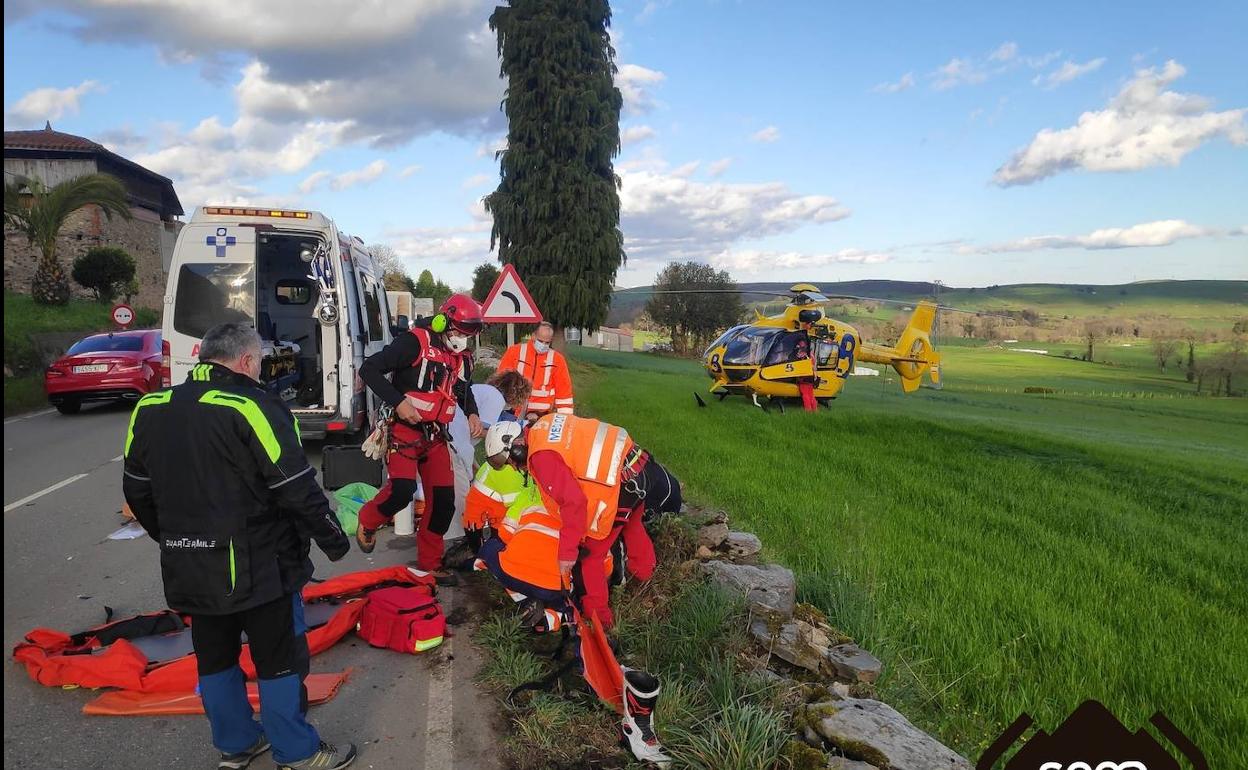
point(974, 143)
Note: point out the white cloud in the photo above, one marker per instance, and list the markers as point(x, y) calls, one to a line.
point(425, 246)
point(758, 261)
point(393, 70)
point(1144, 125)
point(719, 167)
point(767, 135)
point(686, 170)
point(216, 163)
point(407, 171)
point(906, 82)
point(44, 104)
point(1160, 233)
point(1005, 52)
point(1067, 72)
point(634, 134)
point(668, 216)
point(957, 72)
point(634, 82)
point(476, 180)
point(313, 182)
point(369, 173)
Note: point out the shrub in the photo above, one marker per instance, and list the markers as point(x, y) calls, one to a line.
point(104, 270)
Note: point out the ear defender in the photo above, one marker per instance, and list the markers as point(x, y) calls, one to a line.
point(439, 323)
point(518, 451)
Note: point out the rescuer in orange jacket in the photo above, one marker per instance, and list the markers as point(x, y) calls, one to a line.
point(599, 484)
point(546, 368)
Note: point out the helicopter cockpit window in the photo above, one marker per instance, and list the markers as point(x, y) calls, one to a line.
point(785, 349)
point(722, 339)
point(826, 352)
point(750, 346)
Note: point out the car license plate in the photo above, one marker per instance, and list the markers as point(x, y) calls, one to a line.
point(91, 369)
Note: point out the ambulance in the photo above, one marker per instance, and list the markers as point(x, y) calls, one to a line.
point(310, 290)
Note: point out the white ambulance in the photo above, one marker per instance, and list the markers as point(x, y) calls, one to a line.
point(309, 290)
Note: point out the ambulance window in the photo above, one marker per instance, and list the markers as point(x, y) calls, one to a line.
point(294, 291)
point(214, 293)
point(373, 308)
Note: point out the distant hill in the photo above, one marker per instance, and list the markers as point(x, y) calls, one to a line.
point(1202, 303)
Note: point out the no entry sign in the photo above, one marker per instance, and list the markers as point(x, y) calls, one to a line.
point(123, 315)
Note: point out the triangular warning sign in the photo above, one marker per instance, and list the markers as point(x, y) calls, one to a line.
point(509, 302)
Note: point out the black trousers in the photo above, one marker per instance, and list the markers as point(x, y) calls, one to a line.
point(275, 631)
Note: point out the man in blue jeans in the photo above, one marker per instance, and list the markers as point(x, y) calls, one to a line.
point(215, 473)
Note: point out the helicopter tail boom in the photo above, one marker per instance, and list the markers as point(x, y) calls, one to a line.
point(914, 354)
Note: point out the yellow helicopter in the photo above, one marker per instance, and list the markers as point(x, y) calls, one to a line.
point(801, 353)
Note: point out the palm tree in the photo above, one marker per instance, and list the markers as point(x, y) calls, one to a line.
point(39, 212)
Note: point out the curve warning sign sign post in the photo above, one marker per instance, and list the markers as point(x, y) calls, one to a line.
point(509, 302)
point(123, 315)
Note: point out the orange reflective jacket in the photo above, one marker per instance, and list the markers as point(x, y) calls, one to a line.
point(594, 451)
point(552, 384)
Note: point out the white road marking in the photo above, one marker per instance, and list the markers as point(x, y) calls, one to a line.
point(42, 492)
point(29, 416)
point(117, 459)
point(440, 711)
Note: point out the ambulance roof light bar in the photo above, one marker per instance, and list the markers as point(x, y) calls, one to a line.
point(249, 212)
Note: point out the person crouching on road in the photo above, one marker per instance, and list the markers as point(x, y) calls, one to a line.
point(431, 367)
point(215, 473)
point(593, 477)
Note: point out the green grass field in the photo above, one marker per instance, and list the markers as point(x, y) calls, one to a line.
point(1001, 552)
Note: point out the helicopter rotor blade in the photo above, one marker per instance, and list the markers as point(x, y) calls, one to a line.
point(825, 298)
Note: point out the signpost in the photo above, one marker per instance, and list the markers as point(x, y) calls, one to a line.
point(509, 302)
point(123, 315)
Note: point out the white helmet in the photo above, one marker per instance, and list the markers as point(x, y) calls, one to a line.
point(499, 437)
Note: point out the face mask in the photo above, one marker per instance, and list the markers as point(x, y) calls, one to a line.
point(541, 347)
point(457, 343)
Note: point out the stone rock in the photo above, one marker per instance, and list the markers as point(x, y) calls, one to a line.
point(851, 662)
point(769, 588)
point(713, 535)
point(795, 641)
point(705, 553)
point(839, 689)
point(743, 545)
point(874, 732)
point(841, 763)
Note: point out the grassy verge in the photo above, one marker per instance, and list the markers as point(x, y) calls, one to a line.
point(1001, 552)
point(23, 394)
point(714, 712)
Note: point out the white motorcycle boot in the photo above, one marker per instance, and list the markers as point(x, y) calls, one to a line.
point(641, 693)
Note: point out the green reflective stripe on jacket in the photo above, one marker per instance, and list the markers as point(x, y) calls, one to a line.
point(150, 399)
point(202, 372)
point(255, 418)
point(233, 567)
point(298, 435)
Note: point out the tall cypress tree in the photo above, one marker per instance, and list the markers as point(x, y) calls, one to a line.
point(557, 207)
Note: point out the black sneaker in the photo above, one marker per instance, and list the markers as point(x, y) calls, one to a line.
point(327, 757)
point(243, 758)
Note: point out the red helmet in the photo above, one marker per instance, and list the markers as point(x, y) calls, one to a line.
point(462, 313)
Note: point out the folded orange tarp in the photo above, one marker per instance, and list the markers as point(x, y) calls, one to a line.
point(128, 703)
point(51, 659)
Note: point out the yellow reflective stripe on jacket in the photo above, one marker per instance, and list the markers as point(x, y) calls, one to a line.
point(150, 399)
point(255, 418)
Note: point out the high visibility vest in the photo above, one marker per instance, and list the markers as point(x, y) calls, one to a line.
point(595, 451)
point(491, 497)
point(540, 369)
point(532, 538)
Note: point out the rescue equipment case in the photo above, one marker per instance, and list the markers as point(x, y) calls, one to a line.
point(402, 619)
point(343, 465)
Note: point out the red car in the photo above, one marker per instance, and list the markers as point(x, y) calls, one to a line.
point(105, 367)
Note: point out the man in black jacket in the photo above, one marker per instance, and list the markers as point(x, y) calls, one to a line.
point(215, 473)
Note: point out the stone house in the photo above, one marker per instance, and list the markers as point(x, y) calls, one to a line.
point(53, 157)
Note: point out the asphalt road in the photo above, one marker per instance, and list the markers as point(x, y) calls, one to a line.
point(62, 498)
